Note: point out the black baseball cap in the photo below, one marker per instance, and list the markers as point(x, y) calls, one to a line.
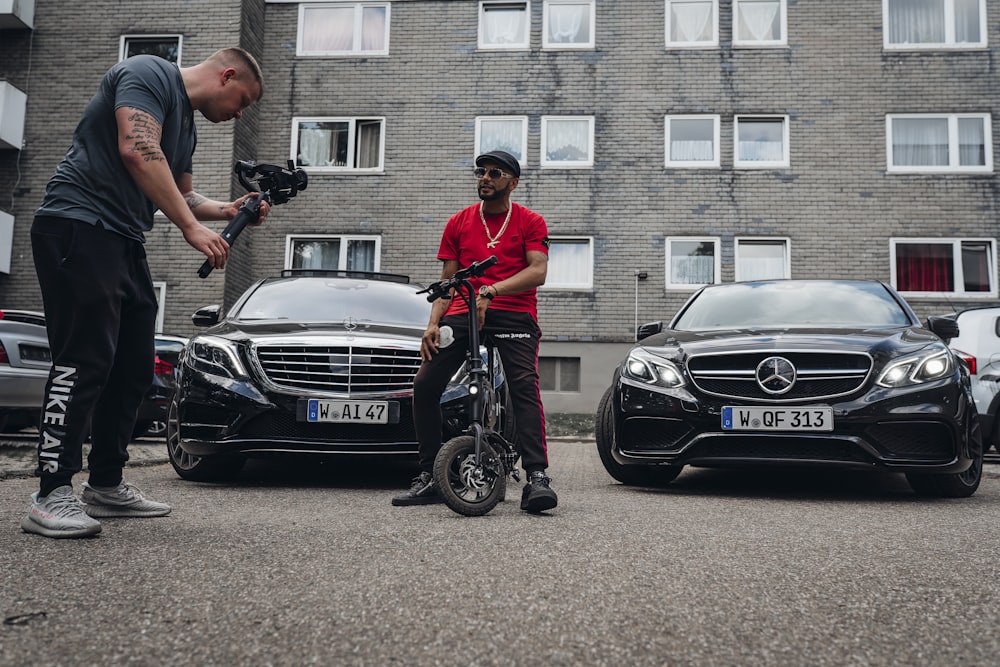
point(502, 158)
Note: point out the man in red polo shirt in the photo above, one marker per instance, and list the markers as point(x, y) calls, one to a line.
point(508, 311)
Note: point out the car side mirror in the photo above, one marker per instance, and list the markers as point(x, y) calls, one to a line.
point(648, 329)
point(207, 316)
point(945, 327)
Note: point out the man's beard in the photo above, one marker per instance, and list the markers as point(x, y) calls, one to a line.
point(490, 196)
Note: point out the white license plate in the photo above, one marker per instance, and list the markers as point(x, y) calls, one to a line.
point(777, 419)
point(355, 412)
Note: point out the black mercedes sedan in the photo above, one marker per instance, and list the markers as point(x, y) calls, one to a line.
point(309, 363)
point(835, 373)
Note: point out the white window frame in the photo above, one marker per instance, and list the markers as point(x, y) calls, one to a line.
point(561, 46)
point(351, 138)
point(785, 242)
point(716, 160)
point(949, 25)
point(588, 283)
point(566, 164)
point(717, 259)
point(785, 160)
point(291, 239)
point(769, 43)
point(523, 158)
point(160, 287)
point(959, 272)
point(514, 46)
point(124, 40)
point(558, 365)
point(953, 145)
point(355, 51)
point(713, 42)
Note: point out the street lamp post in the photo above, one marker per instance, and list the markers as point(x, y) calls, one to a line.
point(639, 275)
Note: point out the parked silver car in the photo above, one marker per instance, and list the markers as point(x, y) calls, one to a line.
point(978, 344)
point(24, 367)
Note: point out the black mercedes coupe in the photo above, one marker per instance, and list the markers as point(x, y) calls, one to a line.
point(834, 373)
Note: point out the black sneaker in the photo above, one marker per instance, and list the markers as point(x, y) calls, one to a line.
point(537, 495)
point(423, 491)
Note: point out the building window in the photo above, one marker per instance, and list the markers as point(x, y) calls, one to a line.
point(568, 24)
point(934, 24)
point(759, 22)
point(338, 144)
point(343, 29)
point(939, 143)
point(160, 288)
point(323, 251)
point(952, 267)
point(761, 142)
point(505, 133)
point(762, 259)
point(167, 47)
point(692, 262)
point(567, 141)
point(692, 23)
point(571, 264)
point(503, 25)
point(559, 374)
point(692, 141)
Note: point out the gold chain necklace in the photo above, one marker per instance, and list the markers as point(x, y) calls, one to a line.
point(493, 240)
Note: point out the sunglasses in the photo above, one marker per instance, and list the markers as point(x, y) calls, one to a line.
point(494, 173)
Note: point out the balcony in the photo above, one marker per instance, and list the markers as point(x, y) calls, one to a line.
point(17, 14)
point(12, 107)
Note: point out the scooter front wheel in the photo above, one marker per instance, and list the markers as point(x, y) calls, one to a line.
point(469, 488)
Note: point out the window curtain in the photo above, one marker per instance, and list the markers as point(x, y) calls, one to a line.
point(971, 142)
point(762, 261)
point(361, 255)
point(761, 141)
point(690, 265)
point(967, 28)
point(569, 263)
point(567, 141)
point(565, 23)
point(314, 147)
point(505, 135)
point(319, 254)
point(504, 25)
point(692, 140)
point(924, 268)
point(920, 142)
point(373, 29)
point(326, 29)
point(759, 21)
point(369, 141)
point(690, 21)
point(917, 21)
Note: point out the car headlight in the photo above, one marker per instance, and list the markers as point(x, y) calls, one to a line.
point(917, 370)
point(650, 369)
point(215, 357)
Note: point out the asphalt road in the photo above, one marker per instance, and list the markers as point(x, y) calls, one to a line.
point(305, 563)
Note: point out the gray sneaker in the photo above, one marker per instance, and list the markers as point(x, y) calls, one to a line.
point(121, 500)
point(59, 514)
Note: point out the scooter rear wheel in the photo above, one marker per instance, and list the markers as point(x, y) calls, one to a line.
point(468, 488)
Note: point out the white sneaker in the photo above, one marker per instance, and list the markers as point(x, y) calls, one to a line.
point(59, 514)
point(121, 500)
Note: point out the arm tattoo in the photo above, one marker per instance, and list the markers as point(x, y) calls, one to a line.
point(144, 135)
point(194, 200)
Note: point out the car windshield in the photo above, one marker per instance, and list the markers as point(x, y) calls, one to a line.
point(792, 304)
point(319, 300)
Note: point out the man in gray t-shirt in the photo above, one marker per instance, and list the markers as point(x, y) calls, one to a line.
point(131, 155)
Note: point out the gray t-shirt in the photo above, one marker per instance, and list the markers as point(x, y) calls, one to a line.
point(91, 183)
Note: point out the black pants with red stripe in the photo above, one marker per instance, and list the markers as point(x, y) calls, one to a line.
point(516, 337)
point(100, 314)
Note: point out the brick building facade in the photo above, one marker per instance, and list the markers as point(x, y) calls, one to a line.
point(666, 143)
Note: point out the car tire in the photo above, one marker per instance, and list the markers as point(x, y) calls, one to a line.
point(604, 434)
point(954, 485)
point(197, 468)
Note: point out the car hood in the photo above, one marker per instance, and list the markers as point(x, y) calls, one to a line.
point(880, 343)
point(265, 331)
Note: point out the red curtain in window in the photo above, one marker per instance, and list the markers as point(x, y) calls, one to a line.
point(924, 268)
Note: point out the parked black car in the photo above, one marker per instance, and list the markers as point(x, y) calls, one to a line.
point(312, 362)
point(835, 373)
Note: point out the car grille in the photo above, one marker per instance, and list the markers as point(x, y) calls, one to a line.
point(654, 434)
point(820, 375)
point(339, 369)
point(279, 426)
point(921, 441)
point(777, 449)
